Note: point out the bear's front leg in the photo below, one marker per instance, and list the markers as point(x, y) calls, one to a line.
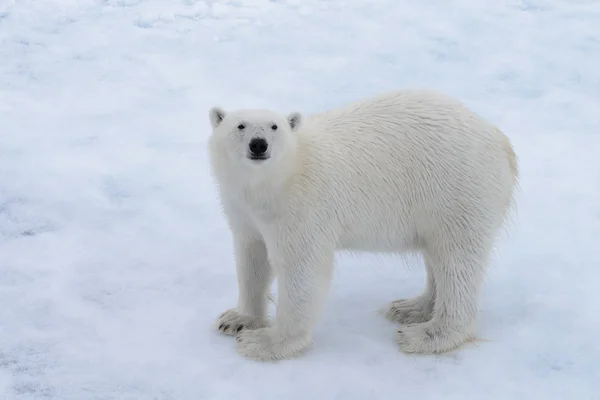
point(303, 269)
point(254, 274)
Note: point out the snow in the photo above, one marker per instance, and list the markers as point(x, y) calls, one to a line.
point(115, 260)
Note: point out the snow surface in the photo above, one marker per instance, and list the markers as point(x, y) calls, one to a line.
point(115, 259)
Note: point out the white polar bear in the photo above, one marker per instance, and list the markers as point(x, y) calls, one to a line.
point(406, 171)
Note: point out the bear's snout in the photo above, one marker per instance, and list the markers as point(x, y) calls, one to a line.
point(258, 148)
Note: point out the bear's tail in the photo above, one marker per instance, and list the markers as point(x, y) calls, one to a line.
point(512, 159)
point(513, 165)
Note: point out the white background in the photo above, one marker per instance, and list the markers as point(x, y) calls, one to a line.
point(115, 259)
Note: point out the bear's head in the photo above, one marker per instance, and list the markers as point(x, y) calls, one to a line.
point(250, 139)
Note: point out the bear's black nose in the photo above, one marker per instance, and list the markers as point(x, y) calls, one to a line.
point(258, 146)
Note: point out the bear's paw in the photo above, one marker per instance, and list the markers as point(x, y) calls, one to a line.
point(231, 322)
point(265, 345)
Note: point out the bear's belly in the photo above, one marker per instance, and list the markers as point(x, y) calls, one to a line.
point(378, 239)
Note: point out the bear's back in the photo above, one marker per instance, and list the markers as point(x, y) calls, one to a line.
point(405, 132)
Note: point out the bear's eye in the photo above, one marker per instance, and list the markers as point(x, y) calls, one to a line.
point(274, 127)
point(241, 127)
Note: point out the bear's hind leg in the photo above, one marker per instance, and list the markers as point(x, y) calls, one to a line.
point(417, 309)
point(458, 270)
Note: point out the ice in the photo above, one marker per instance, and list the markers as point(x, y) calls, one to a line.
point(115, 260)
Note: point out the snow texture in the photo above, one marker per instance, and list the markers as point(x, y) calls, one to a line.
point(115, 259)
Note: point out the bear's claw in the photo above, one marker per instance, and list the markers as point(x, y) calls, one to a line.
point(231, 322)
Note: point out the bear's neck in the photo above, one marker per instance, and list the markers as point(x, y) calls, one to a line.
point(276, 181)
point(267, 189)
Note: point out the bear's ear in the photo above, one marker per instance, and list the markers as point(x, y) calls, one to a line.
point(216, 115)
point(295, 120)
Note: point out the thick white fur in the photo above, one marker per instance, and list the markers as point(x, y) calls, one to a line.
point(403, 171)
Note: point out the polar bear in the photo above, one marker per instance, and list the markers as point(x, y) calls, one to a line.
point(404, 171)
